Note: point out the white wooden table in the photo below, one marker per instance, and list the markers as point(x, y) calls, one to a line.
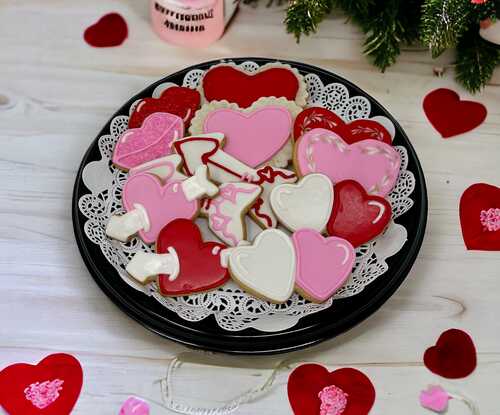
point(55, 95)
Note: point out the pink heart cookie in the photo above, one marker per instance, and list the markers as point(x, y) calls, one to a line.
point(435, 398)
point(134, 406)
point(254, 137)
point(372, 163)
point(323, 264)
point(153, 140)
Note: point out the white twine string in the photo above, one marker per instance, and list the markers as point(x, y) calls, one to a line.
point(470, 404)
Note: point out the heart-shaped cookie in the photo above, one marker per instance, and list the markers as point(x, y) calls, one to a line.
point(480, 217)
point(134, 406)
point(200, 266)
point(110, 30)
point(307, 204)
point(267, 267)
point(51, 387)
point(357, 216)
point(372, 163)
point(312, 390)
point(434, 398)
point(323, 264)
point(177, 100)
point(151, 141)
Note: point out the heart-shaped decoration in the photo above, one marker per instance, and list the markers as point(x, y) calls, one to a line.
point(163, 203)
point(358, 130)
point(110, 30)
point(134, 406)
point(357, 216)
point(312, 390)
point(199, 262)
point(453, 356)
point(307, 204)
point(266, 268)
point(177, 100)
point(372, 163)
point(323, 264)
point(451, 116)
point(435, 398)
point(51, 387)
point(153, 140)
point(480, 217)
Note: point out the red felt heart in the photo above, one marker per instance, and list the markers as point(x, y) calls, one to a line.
point(110, 30)
point(307, 381)
point(449, 115)
point(357, 216)
point(176, 100)
point(200, 265)
point(317, 117)
point(480, 217)
point(453, 356)
point(231, 84)
point(51, 387)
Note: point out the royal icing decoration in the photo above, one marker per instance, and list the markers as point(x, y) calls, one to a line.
point(226, 212)
point(323, 264)
point(206, 149)
point(267, 267)
point(372, 163)
point(150, 205)
point(307, 204)
point(151, 141)
point(333, 401)
point(166, 168)
point(43, 394)
point(490, 219)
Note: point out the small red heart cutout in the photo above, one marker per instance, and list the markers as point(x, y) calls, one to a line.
point(200, 265)
point(312, 388)
point(449, 115)
point(110, 30)
point(51, 387)
point(480, 217)
point(177, 100)
point(453, 356)
point(357, 216)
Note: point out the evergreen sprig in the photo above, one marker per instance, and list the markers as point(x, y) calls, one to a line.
point(303, 16)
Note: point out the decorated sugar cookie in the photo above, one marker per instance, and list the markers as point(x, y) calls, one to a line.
point(307, 204)
point(323, 264)
point(255, 135)
point(167, 168)
point(372, 163)
point(183, 263)
point(226, 211)
point(151, 141)
point(150, 205)
point(234, 84)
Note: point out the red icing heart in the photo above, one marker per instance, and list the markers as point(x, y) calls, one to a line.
point(51, 387)
point(449, 115)
point(176, 100)
point(307, 381)
point(200, 267)
point(453, 356)
point(110, 30)
point(231, 84)
point(354, 213)
point(480, 217)
point(317, 117)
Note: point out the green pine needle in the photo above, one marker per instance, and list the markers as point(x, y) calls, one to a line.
point(303, 16)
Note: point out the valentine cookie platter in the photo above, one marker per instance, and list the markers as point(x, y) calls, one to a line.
point(250, 206)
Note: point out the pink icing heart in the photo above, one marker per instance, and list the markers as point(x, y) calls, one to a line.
point(372, 163)
point(153, 140)
point(134, 406)
point(163, 204)
point(252, 138)
point(435, 398)
point(323, 264)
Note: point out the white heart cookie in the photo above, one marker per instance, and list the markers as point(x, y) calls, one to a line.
point(267, 267)
point(307, 204)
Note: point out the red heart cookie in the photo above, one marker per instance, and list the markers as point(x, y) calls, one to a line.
point(110, 30)
point(200, 266)
point(228, 83)
point(449, 115)
point(480, 217)
point(357, 216)
point(453, 356)
point(313, 390)
point(176, 100)
point(317, 117)
point(51, 387)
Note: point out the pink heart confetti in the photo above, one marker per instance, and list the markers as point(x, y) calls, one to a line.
point(435, 398)
point(134, 406)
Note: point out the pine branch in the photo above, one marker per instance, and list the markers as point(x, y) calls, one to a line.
point(303, 16)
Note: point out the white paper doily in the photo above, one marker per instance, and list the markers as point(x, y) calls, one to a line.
point(232, 308)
